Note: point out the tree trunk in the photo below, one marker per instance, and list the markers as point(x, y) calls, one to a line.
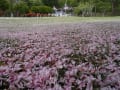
point(95, 13)
point(1, 13)
point(115, 4)
point(11, 8)
point(103, 14)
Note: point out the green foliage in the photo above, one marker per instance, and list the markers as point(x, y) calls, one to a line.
point(103, 6)
point(71, 3)
point(50, 3)
point(61, 3)
point(41, 9)
point(35, 2)
point(35, 9)
point(119, 7)
point(91, 7)
point(21, 8)
point(83, 9)
point(4, 5)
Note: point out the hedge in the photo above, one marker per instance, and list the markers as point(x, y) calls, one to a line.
point(41, 9)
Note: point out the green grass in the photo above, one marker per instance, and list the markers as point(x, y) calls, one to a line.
point(12, 22)
point(58, 19)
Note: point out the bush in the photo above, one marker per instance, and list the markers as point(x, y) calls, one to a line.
point(20, 8)
point(77, 11)
point(41, 9)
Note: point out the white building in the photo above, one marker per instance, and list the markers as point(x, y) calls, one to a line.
point(62, 11)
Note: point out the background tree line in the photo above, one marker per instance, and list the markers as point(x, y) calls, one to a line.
point(79, 7)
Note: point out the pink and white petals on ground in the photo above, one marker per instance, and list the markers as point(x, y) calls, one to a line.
point(83, 56)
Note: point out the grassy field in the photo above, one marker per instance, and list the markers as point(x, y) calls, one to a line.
point(51, 20)
point(18, 23)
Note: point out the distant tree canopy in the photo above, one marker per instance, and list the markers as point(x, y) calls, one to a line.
point(103, 7)
point(20, 8)
point(50, 3)
point(71, 3)
point(80, 7)
point(4, 5)
point(34, 3)
point(115, 7)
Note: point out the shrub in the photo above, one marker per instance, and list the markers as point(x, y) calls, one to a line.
point(41, 9)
